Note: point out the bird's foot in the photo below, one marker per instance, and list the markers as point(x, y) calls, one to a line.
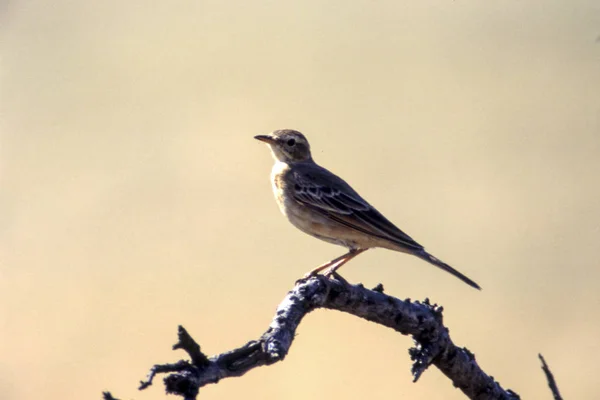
point(331, 272)
point(306, 276)
point(310, 274)
point(336, 276)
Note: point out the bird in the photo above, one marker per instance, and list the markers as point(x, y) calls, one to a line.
point(323, 205)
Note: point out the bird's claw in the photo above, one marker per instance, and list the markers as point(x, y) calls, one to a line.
point(336, 276)
point(306, 276)
point(309, 275)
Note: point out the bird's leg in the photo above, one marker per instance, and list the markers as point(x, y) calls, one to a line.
point(334, 267)
point(328, 264)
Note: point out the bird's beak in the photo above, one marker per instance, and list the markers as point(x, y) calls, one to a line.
point(265, 138)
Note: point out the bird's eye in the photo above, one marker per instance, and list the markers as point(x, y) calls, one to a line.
point(291, 142)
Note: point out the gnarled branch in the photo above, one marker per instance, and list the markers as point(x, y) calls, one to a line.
point(421, 320)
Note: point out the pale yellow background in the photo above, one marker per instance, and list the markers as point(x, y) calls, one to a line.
point(133, 197)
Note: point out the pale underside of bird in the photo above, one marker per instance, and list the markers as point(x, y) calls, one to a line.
point(323, 205)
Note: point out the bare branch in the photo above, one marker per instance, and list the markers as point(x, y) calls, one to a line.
point(550, 378)
point(421, 320)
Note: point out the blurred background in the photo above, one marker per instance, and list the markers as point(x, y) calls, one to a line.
point(134, 197)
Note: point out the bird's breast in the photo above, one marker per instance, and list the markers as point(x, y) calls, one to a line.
point(284, 196)
point(299, 215)
point(277, 179)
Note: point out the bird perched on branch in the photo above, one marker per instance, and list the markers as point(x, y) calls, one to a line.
point(323, 205)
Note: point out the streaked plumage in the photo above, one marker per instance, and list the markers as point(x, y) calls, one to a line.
point(323, 205)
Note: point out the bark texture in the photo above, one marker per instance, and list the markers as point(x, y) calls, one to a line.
point(421, 320)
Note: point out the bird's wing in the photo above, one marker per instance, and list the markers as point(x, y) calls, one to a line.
point(331, 196)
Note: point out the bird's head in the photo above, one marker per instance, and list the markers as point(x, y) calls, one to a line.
point(287, 145)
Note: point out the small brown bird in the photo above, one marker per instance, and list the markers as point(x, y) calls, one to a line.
point(323, 205)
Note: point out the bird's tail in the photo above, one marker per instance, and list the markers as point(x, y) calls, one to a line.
point(440, 264)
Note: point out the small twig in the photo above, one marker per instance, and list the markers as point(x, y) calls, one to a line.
point(161, 369)
point(191, 347)
point(423, 321)
point(550, 379)
point(108, 396)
